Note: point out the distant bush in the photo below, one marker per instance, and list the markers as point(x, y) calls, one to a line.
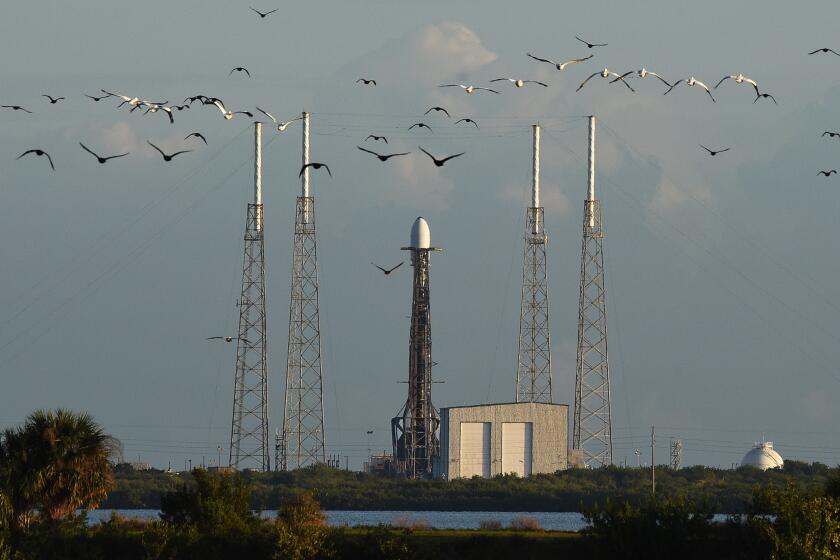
point(490, 524)
point(525, 523)
point(412, 523)
point(301, 530)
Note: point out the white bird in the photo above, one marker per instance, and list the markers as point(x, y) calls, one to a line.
point(643, 73)
point(519, 83)
point(560, 65)
point(469, 89)
point(739, 79)
point(605, 73)
point(692, 81)
point(229, 114)
point(154, 108)
point(281, 126)
point(133, 101)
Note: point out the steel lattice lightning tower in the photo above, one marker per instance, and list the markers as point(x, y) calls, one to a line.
point(303, 441)
point(593, 417)
point(249, 427)
point(676, 454)
point(533, 374)
point(414, 432)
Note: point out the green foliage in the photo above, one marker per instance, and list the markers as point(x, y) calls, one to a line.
point(55, 464)
point(657, 527)
point(801, 524)
point(213, 504)
point(301, 529)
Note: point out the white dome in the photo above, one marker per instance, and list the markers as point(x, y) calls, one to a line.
point(763, 457)
point(421, 237)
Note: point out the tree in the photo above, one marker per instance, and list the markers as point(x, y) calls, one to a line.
point(55, 464)
point(217, 503)
point(301, 529)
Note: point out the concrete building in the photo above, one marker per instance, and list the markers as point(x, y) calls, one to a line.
point(491, 439)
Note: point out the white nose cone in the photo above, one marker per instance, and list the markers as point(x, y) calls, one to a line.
point(421, 237)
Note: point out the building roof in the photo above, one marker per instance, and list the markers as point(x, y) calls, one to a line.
point(763, 457)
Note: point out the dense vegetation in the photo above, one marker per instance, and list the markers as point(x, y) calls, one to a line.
point(728, 491)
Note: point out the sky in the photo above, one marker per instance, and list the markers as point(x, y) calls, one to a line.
point(722, 286)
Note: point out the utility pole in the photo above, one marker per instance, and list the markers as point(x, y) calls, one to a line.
point(652, 460)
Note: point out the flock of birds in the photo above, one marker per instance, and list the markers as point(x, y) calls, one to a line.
point(134, 103)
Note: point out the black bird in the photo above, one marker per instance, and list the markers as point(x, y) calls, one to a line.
point(714, 152)
point(467, 121)
point(197, 135)
point(98, 98)
point(165, 156)
point(440, 162)
point(227, 338)
point(831, 134)
point(193, 98)
point(377, 138)
point(439, 109)
point(53, 100)
point(240, 69)
point(366, 81)
point(16, 108)
point(263, 14)
point(765, 96)
point(180, 107)
point(420, 125)
point(385, 157)
point(826, 173)
point(825, 50)
point(590, 45)
point(99, 158)
point(38, 152)
point(386, 272)
point(315, 165)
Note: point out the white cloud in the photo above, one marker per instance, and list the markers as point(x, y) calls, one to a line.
point(552, 198)
point(119, 138)
point(418, 184)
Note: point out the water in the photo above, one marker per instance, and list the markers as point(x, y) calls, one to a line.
point(552, 521)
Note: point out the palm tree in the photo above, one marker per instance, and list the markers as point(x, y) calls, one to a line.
point(56, 463)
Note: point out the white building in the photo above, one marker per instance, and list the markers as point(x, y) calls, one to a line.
point(491, 439)
point(763, 457)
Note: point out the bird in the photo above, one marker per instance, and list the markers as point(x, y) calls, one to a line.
point(193, 98)
point(155, 108)
point(420, 125)
point(133, 101)
point(470, 121)
point(38, 152)
point(315, 165)
point(831, 134)
point(825, 50)
point(439, 110)
point(561, 65)
point(227, 114)
point(643, 73)
point(240, 69)
point(99, 158)
point(180, 107)
point(440, 162)
point(739, 79)
point(263, 14)
point(469, 89)
point(386, 272)
point(765, 96)
point(376, 138)
point(590, 45)
point(382, 157)
point(281, 126)
point(197, 135)
point(167, 157)
point(605, 73)
point(366, 81)
point(714, 152)
point(692, 81)
point(98, 98)
point(826, 173)
point(519, 83)
point(16, 108)
point(53, 100)
point(228, 338)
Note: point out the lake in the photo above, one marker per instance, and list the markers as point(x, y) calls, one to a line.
point(552, 521)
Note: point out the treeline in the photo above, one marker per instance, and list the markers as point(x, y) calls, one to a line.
point(729, 491)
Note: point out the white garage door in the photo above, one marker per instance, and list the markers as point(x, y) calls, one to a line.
point(475, 449)
point(517, 442)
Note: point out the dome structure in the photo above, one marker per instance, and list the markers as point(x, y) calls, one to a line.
point(421, 237)
point(763, 457)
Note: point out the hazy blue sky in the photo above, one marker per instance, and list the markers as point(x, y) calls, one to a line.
point(722, 275)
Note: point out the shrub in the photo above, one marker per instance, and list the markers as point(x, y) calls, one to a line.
point(301, 531)
point(410, 523)
point(525, 523)
point(217, 504)
point(490, 524)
